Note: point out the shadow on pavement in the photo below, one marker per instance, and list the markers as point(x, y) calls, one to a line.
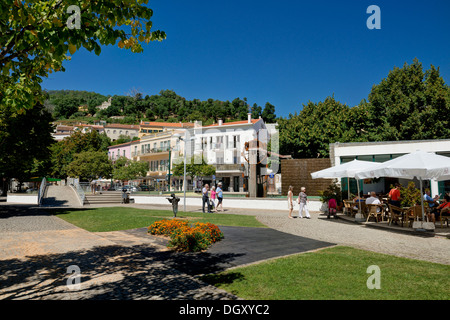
point(112, 272)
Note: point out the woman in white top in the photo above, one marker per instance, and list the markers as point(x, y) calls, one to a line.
point(290, 201)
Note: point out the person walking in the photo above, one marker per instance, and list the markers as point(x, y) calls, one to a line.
point(213, 198)
point(303, 202)
point(290, 196)
point(219, 194)
point(205, 198)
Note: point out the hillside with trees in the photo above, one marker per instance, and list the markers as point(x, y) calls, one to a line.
point(166, 106)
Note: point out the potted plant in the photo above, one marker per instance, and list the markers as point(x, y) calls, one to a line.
point(410, 196)
point(332, 191)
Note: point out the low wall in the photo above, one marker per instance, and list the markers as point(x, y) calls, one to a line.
point(240, 203)
point(297, 173)
point(22, 198)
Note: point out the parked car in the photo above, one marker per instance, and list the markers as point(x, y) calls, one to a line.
point(144, 187)
point(129, 188)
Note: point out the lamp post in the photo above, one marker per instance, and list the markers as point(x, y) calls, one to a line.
point(177, 135)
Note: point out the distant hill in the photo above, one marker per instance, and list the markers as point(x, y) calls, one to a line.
point(165, 106)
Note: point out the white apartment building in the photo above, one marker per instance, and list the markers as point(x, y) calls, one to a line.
point(223, 145)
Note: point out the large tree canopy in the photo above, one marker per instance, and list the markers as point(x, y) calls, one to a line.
point(36, 37)
point(63, 152)
point(410, 104)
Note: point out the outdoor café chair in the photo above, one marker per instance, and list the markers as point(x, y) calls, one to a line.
point(396, 213)
point(349, 208)
point(374, 210)
point(413, 214)
point(445, 215)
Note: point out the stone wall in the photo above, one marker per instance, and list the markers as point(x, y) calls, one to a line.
point(297, 173)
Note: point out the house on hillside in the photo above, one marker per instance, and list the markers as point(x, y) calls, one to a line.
point(115, 130)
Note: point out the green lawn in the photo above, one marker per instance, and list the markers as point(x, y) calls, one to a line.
point(338, 273)
point(123, 218)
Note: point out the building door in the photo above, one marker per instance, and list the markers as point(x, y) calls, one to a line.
point(226, 183)
point(236, 184)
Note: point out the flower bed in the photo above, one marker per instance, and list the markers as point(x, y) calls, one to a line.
point(186, 236)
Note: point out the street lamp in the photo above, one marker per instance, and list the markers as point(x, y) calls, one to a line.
point(177, 135)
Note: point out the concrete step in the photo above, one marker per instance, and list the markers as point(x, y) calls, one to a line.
point(104, 197)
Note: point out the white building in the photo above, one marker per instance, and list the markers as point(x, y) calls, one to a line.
point(384, 151)
point(224, 146)
point(115, 130)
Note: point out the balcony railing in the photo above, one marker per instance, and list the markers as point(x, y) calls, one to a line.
point(150, 151)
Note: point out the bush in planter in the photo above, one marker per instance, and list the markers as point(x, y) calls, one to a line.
point(410, 195)
point(185, 236)
point(333, 191)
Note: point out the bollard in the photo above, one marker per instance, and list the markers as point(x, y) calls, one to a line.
point(174, 201)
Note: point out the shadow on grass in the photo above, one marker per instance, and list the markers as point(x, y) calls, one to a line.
point(112, 272)
point(221, 279)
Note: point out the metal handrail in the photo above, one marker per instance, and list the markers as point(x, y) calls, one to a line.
point(79, 191)
point(42, 188)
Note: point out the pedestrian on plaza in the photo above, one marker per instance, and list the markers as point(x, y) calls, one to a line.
point(303, 201)
point(205, 198)
point(213, 198)
point(93, 186)
point(219, 194)
point(290, 201)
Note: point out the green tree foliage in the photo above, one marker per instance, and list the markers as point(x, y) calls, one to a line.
point(63, 152)
point(24, 143)
point(65, 103)
point(194, 168)
point(166, 106)
point(88, 165)
point(410, 104)
point(308, 134)
point(37, 38)
point(125, 169)
point(268, 114)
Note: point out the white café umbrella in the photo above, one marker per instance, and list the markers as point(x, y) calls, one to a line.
point(420, 164)
point(344, 170)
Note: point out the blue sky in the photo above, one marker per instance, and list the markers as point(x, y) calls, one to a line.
point(283, 52)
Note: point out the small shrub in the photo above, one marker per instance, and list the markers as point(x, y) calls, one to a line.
point(185, 236)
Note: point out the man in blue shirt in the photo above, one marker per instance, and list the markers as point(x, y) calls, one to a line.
point(219, 196)
point(432, 202)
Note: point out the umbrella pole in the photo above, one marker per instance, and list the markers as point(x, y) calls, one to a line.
point(357, 190)
point(421, 201)
point(348, 188)
point(360, 216)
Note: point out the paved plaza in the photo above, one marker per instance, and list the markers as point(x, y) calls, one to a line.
point(36, 249)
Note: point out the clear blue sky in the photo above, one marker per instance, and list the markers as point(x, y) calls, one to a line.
point(283, 52)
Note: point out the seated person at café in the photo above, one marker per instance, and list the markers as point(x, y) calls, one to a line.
point(373, 200)
point(443, 208)
point(332, 207)
point(356, 200)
